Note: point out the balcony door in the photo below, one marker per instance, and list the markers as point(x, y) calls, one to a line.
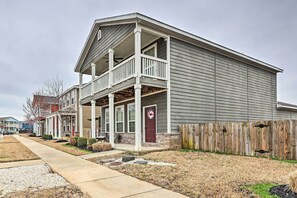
point(149, 66)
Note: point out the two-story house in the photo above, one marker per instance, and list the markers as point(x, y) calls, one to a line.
point(149, 77)
point(9, 124)
point(63, 120)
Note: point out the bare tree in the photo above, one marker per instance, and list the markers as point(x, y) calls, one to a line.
point(51, 87)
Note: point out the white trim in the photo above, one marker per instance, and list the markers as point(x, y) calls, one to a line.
point(168, 86)
point(128, 121)
point(99, 34)
point(143, 120)
point(106, 110)
point(148, 48)
point(115, 119)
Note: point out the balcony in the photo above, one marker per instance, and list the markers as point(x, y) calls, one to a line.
point(151, 67)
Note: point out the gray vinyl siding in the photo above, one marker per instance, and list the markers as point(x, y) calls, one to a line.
point(231, 90)
point(110, 36)
point(159, 99)
point(192, 84)
point(207, 87)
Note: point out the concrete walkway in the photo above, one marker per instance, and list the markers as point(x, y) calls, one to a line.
point(94, 179)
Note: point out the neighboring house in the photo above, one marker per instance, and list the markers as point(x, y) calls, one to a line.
point(63, 119)
point(26, 126)
point(9, 124)
point(43, 106)
point(149, 77)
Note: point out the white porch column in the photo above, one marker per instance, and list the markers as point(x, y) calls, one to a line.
point(137, 88)
point(93, 119)
point(71, 125)
point(59, 126)
point(46, 127)
point(110, 64)
point(80, 107)
point(93, 78)
point(111, 119)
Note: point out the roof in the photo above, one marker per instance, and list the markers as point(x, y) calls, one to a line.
point(45, 99)
point(173, 32)
point(8, 118)
point(286, 106)
point(69, 89)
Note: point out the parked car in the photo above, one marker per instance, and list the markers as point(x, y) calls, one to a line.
point(7, 133)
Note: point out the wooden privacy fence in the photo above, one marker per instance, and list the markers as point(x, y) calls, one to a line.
point(276, 138)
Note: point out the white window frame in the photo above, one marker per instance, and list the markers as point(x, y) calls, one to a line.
point(128, 121)
point(115, 118)
point(150, 47)
point(105, 123)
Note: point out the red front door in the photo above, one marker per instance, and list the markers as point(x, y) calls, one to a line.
point(150, 124)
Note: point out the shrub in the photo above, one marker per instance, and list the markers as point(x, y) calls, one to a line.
point(81, 141)
point(293, 181)
point(32, 135)
point(72, 141)
point(47, 137)
point(92, 141)
point(101, 146)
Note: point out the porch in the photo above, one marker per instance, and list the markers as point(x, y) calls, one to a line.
point(137, 66)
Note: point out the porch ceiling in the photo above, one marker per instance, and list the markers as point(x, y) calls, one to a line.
point(123, 50)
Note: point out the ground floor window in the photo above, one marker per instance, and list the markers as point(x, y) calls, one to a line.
point(131, 117)
point(119, 119)
point(106, 120)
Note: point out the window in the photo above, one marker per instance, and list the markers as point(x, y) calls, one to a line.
point(119, 119)
point(106, 120)
point(131, 117)
point(151, 50)
point(99, 35)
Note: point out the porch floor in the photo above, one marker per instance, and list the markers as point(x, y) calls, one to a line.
point(131, 147)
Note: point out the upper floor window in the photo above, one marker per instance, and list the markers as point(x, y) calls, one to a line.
point(151, 50)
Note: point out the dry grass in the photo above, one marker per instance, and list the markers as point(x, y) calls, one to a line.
point(13, 150)
point(199, 174)
point(58, 192)
point(60, 146)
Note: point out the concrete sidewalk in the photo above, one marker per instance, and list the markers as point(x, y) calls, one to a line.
point(94, 179)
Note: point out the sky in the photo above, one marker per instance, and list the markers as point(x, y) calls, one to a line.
point(42, 39)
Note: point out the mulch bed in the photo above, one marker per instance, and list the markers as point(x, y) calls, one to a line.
point(283, 191)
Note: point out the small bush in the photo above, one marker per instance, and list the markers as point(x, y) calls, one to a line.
point(72, 141)
point(101, 146)
point(47, 137)
point(32, 135)
point(81, 141)
point(293, 182)
point(92, 141)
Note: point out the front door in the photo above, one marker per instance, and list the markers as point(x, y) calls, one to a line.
point(150, 124)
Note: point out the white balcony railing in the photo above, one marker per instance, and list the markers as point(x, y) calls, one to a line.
point(101, 82)
point(124, 70)
point(86, 90)
point(153, 67)
point(150, 67)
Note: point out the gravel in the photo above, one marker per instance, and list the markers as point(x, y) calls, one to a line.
point(34, 177)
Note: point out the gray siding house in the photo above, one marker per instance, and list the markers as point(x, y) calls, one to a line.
point(149, 77)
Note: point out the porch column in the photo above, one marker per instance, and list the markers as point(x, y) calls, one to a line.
point(93, 119)
point(137, 88)
point(59, 126)
point(71, 126)
point(111, 119)
point(93, 78)
point(80, 107)
point(56, 126)
point(110, 64)
point(46, 127)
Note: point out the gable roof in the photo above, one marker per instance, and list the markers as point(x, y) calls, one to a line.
point(8, 119)
point(286, 106)
point(173, 32)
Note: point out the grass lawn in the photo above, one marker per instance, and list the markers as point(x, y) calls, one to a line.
point(262, 190)
point(13, 150)
point(202, 174)
point(60, 146)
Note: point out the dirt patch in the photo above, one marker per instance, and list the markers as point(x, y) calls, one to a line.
point(58, 192)
point(13, 150)
point(199, 174)
point(60, 146)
